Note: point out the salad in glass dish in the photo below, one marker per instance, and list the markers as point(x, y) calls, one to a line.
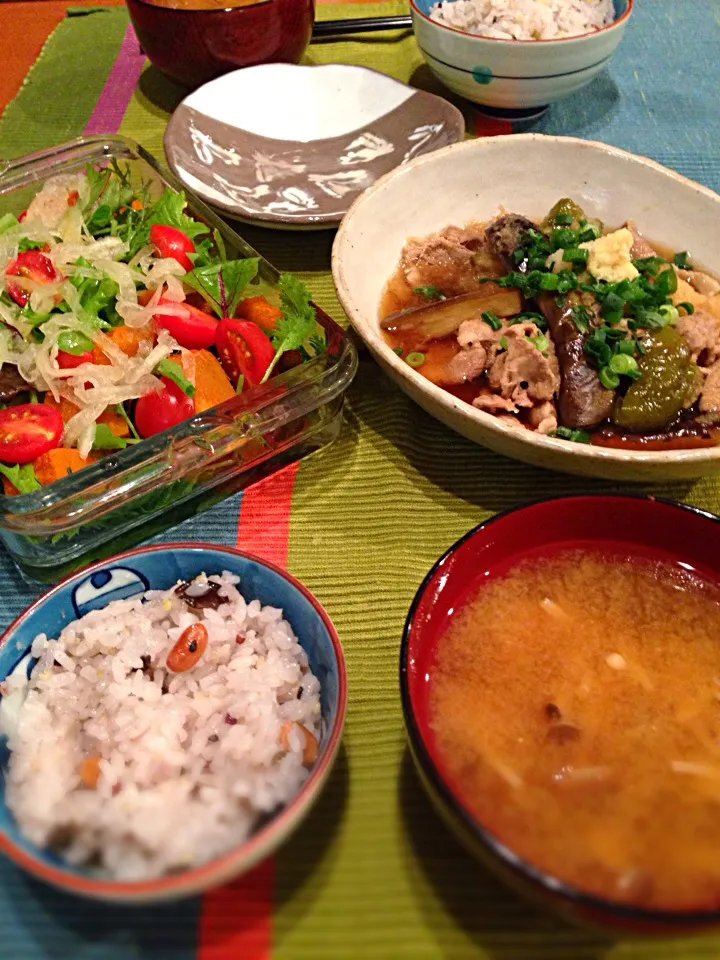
point(151, 361)
point(121, 317)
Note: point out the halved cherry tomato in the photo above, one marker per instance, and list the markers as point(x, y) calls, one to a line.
point(33, 265)
point(28, 430)
point(157, 411)
point(68, 361)
point(192, 328)
point(244, 349)
point(171, 242)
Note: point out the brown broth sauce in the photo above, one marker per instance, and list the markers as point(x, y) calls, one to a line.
point(201, 4)
point(575, 704)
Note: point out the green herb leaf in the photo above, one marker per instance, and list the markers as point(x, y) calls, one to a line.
point(298, 320)
point(26, 244)
point(223, 284)
point(21, 477)
point(7, 222)
point(171, 370)
point(121, 412)
point(74, 342)
point(105, 439)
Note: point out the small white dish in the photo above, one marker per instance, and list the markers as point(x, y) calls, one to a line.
point(291, 146)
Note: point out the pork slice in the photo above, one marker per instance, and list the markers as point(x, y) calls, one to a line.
point(543, 417)
point(640, 249)
point(448, 260)
point(11, 382)
point(472, 333)
point(702, 283)
point(702, 334)
point(522, 374)
point(493, 403)
point(466, 365)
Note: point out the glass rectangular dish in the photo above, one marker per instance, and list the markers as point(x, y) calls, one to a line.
point(145, 488)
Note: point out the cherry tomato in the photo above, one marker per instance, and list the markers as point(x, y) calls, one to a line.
point(29, 430)
point(192, 328)
point(245, 350)
point(33, 265)
point(67, 361)
point(157, 411)
point(171, 242)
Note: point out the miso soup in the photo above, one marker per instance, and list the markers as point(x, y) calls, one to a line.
point(575, 704)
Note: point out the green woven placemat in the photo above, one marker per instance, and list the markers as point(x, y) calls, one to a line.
point(373, 873)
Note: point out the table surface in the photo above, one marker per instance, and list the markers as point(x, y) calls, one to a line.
point(372, 873)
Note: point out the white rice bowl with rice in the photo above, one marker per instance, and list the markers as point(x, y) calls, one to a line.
point(135, 771)
point(524, 19)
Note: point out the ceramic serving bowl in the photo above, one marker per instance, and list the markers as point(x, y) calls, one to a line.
point(524, 173)
point(160, 567)
point(515, 74)
point(191, 46)
point(292, 146)
point(651, 527)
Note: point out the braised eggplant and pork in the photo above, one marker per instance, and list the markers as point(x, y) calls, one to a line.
point(563, 327)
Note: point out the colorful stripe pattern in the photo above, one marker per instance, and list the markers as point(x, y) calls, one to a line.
point(372, 873)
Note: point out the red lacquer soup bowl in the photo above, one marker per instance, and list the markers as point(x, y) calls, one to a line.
point(192, 46)
point(645, 527)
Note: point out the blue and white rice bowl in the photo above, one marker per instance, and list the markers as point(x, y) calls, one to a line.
point(510, 75)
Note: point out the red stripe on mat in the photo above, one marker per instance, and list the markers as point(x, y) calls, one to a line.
point(491, 127)
point(236, 920)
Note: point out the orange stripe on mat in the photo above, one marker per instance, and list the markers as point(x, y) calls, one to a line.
point(491, 127)
point(236, 920)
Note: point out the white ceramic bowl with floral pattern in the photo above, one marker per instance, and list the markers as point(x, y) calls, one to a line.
point(515, 74)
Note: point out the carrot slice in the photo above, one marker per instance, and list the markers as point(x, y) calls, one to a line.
point(58, 463)
point(260, 311)
point(68, 409)
point(211, 384)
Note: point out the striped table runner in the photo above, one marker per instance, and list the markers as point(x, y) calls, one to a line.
point(372, 873)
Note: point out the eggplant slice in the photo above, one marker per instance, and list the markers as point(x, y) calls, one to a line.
point(443, 317)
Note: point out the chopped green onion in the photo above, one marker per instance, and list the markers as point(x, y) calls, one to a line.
point(623, 364)
point(430, 292)
point(563, 219)
point(666, 282)
point(680, 260)
point(576, 255)
point(590, 233)
point(491, 319)
point(503, 343)
point(671, 313)
point(576, 436)
point(627, 347)
point(397, 350)
point(689, 308)
point(541, 342)
point(549, 281)
point(608, 378)
point(415, 359)
point(581, 317)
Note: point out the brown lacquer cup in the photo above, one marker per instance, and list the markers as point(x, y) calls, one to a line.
point(194, 44)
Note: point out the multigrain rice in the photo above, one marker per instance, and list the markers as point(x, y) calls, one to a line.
point(188, 762)
point(524, 19)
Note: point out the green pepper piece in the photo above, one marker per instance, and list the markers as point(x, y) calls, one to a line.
point(668, 377)
point(565, 213)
